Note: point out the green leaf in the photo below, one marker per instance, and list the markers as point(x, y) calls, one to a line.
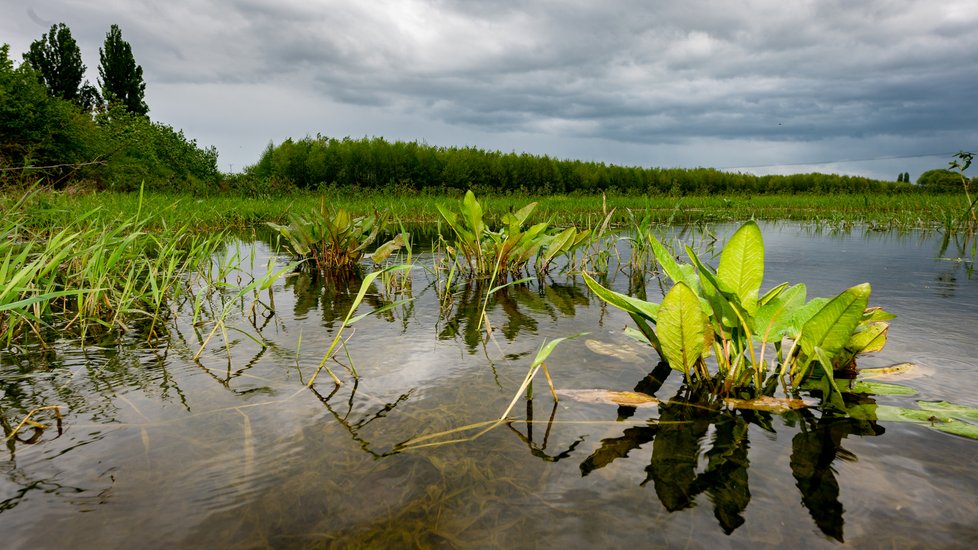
point(773, 319)
point(831, 328)
point(676, 272)
point(868, 338)
point(879, 388)
point(962, 429)
point(742, 265)
point(646, 310)
point(952, 409)
point(681, 328)
point(772, 294)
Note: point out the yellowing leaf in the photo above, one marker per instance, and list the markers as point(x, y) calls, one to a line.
point(608, 397)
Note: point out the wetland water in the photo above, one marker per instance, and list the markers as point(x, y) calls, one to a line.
point(158, 450)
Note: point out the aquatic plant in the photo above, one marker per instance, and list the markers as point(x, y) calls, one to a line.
point(92, 276)
point(335, 242)
point(486, 252)
point(720, 312)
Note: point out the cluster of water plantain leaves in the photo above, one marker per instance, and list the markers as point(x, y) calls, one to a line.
point(334, 242)
point(481, 251)
point(755, 339)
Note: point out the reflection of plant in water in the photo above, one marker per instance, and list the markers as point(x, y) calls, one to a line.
point(464, 314)
point(678, 438)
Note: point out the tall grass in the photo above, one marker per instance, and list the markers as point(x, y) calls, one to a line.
point(91, 277)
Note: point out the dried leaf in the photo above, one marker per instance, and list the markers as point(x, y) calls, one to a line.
point(608, 397)
point(776, 405)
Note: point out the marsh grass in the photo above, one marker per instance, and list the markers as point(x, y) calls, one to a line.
point(92, 278)
point(47, 208)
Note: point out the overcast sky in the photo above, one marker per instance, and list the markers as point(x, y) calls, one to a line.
point(762, 86)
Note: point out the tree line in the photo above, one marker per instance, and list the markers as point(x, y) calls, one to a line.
point(374, 163)
point(58, 127)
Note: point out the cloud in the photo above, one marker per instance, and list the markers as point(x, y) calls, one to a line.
point(628, 75)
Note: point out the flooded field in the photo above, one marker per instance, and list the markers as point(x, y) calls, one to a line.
point(211, 438)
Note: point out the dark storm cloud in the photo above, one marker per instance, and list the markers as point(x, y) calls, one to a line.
point(631, 72)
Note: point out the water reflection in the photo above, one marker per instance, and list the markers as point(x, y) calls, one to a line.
point(521, 306)
point(680, 447)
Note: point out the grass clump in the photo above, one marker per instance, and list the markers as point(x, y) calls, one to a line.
point(92, 277)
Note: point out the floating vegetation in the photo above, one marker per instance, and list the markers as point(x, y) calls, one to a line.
point(609, 397)
point(899, 371)
point(942, 416)
point(623, 352)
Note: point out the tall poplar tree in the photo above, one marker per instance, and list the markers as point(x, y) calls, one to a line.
point(121, 79)
point(56, 59)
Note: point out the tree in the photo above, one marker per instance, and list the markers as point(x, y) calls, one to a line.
point(940, 180)
point(58, 63)
point(121, 79)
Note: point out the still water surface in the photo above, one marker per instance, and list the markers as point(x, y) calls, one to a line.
point(159, 450)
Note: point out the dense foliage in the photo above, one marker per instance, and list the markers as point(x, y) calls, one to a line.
point(373, 163)
point(56, 59)
point(940, 180)
point(44, 135)
point(120, 76)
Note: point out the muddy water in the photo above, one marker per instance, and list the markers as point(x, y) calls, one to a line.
point(156, 449)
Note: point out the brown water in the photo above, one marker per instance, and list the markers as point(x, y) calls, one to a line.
point(157, 450)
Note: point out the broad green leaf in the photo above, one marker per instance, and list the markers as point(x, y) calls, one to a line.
point(879, 388)
point(901, 414)
point(962, 429)
point(773, 319)
point(874, 314)
point(772, 294)
point(718, 297)
point(742, 265)
point(385, 250)
point(952, 409)
point(681, 327)
point(831, 328)
point(868, 338)
point(518, 218)
point(646, 310)
point(473, 213)
point(935, 420)
point(558, 244)
point(676, 272)
point(800, 316)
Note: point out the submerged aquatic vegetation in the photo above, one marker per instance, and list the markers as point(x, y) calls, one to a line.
point(720, 312)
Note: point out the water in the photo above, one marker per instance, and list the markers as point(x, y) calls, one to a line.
point(158, 450)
